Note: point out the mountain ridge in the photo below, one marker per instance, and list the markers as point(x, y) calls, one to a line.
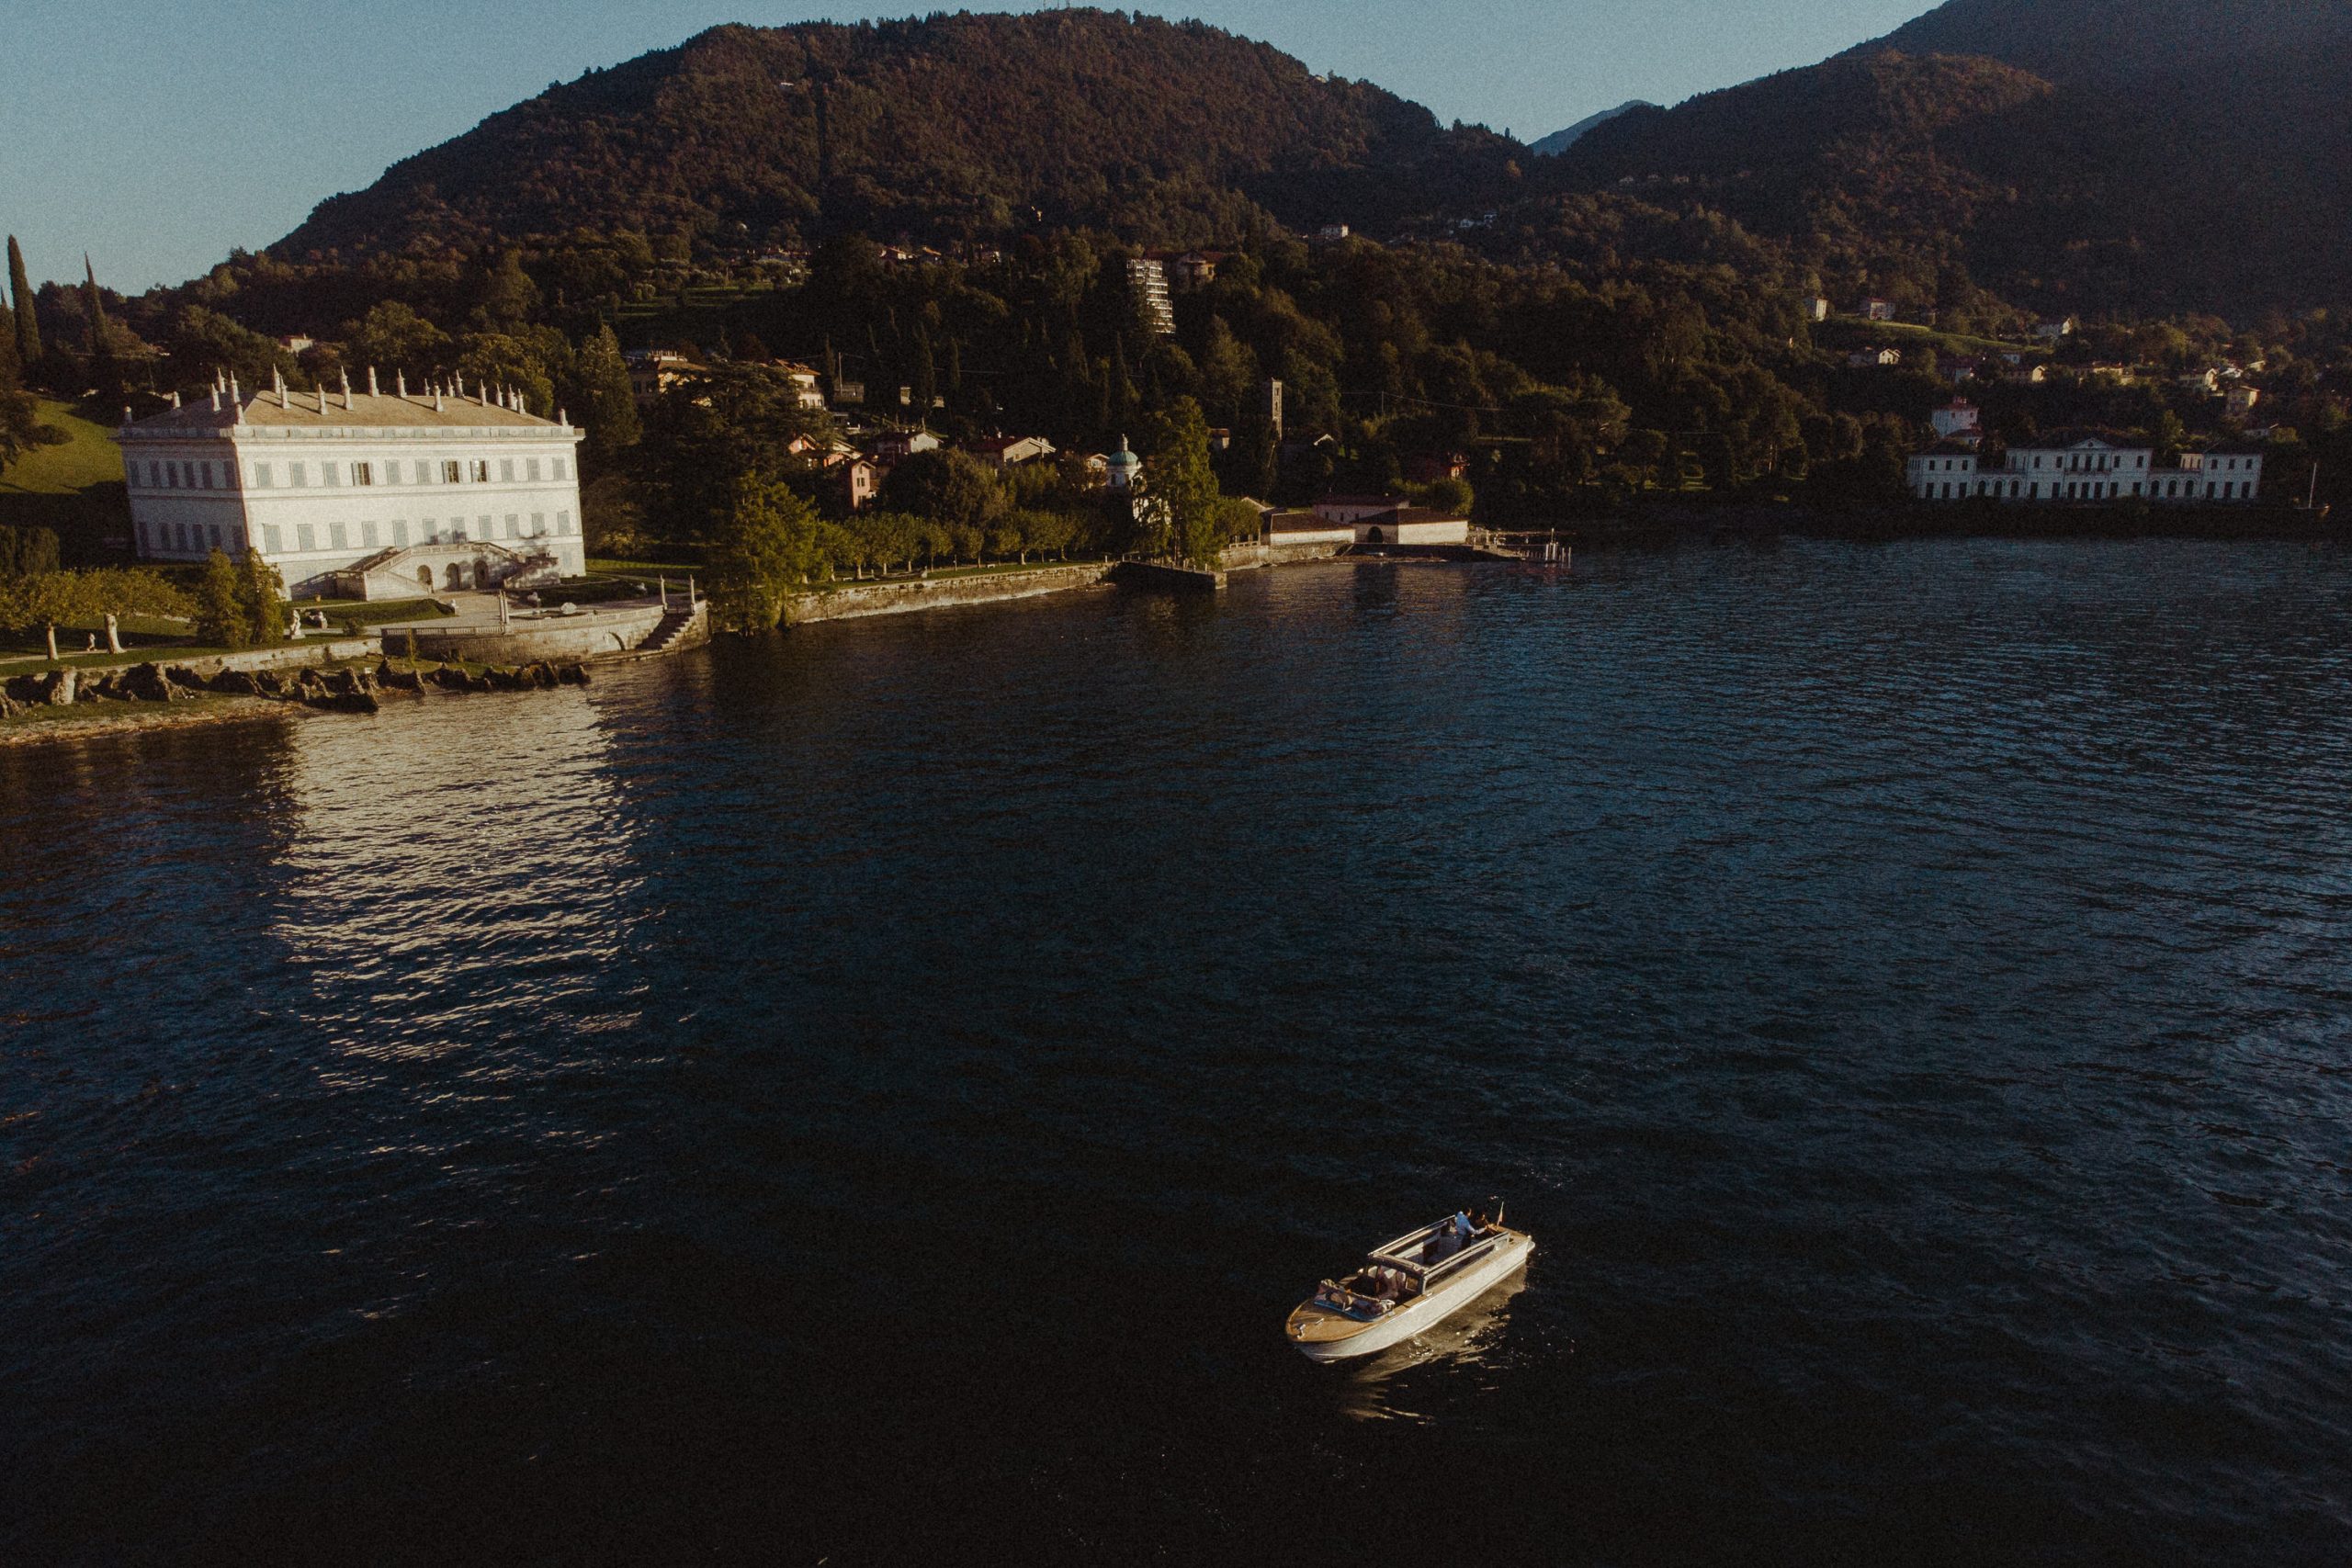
point(2068, 41)
point(951, 125)
point(2156, 180)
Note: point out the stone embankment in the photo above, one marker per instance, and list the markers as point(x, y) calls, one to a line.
point(854, 602)
point(900, 596)
point(530, 637)
point(1159, 577)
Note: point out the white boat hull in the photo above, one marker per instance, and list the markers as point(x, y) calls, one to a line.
point(1428, 1311)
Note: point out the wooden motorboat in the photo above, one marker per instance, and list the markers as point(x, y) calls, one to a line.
point(1405, 1286)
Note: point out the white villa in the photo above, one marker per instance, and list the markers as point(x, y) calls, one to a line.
point(371, 495)
point(2085, 467)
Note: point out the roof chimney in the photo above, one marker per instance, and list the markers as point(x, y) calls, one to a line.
point(436, 400)
point(347, 389)
point(461, 383)
point(215, 396)
point(401, 377)
point(176, 399)
point(563, 419)
point(371, 382)
point(279, 376)
point(321, 392)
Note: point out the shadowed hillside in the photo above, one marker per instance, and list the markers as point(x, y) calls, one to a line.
point(954, 125)
point(2184, 155)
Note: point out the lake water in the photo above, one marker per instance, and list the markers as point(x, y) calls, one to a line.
point(873, 1095)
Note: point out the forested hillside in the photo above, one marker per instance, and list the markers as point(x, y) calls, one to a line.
point(2089, 155)
point(2108, 40)
point(948, 126)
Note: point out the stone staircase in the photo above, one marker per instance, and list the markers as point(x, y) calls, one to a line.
point(679, 628)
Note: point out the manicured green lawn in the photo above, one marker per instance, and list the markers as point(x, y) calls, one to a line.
point(89, 456)
point(599, 567)
point(365, 612)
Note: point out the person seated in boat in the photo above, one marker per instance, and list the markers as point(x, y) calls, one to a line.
point(1443, 1245)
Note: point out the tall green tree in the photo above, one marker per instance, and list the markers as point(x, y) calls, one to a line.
point(924, 378)
point(396, 340)
point(1179, 492)
point(106, 373)
point(221, 620)
point(766, 548)
point(261, 597)
point(27, 325)
point(954, 489)
point(607, 403)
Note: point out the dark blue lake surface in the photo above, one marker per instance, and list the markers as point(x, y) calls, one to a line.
point(872, 1096)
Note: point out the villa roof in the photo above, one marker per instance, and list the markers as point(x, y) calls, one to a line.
point(359, 410)
point(2058, 440)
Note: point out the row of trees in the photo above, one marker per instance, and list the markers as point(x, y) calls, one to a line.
point(45, 601)
point(773, 541)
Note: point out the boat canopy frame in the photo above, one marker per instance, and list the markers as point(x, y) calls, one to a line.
point(1398, 1254)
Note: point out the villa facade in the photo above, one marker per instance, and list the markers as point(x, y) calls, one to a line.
point(2083, 468)
point(336, 484)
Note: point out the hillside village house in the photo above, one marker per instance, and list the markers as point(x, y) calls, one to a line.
point(2087, 467)
point(1878, 310)
point(373, 494)
point(1010, 451)
point(653, 371)
point(803, 379)
point(897, 446)
point(1959, 420)
point(1868, 358)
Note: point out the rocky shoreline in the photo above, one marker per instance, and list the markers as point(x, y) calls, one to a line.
point(144, 694)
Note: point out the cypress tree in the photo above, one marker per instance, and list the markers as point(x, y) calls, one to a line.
point(92, 306)
point(27, 325)
point(925, 380)
point(611, 405)
point(104, 374)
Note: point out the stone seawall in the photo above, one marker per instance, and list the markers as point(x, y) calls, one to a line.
point(288, 656)
point(1243, 558)
point(930, 594)
point(1158, 577)
point(595, 634)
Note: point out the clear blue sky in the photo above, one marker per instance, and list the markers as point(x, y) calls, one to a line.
point(159, 133)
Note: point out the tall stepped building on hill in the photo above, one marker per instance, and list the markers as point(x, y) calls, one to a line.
point(363, 494)
point(1147, 280)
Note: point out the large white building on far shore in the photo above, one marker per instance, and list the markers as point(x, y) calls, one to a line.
point(372, 494)
point(2081, 466)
